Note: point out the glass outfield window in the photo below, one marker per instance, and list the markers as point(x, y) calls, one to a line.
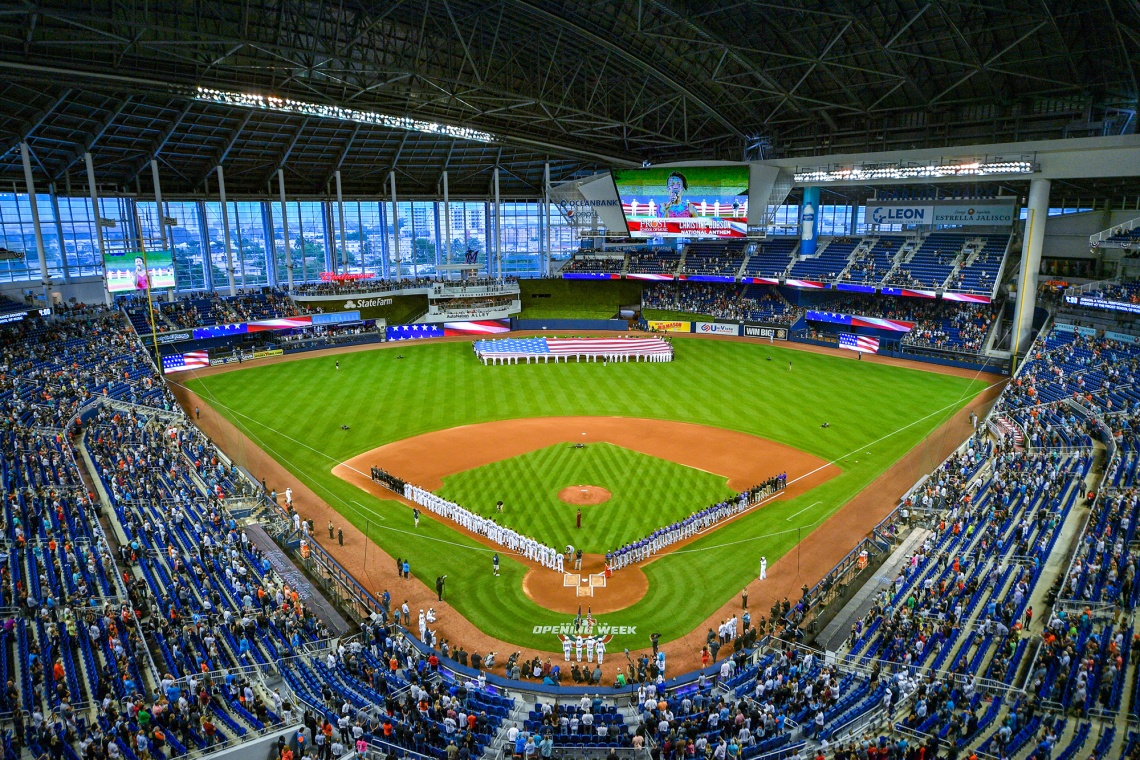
point(258, 242)
point(522, 238)
point(468, 232)
point(247, 244)
point(306, 241)
point(17, 233)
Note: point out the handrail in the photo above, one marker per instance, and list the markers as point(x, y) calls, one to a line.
point(1104, 236)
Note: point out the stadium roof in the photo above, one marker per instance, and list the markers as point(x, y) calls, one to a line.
point(586, 84)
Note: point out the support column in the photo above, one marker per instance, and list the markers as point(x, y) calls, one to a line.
point(97, 214)
point(546, 204)
point(396, 227)
point(340, 212)
point(446, 223)
point(809, 226)
point(498, 227)
point(226, 230)
point(45, 278)
point(161, 221)
point(285, 226)
point(1034, 236)
point(59, 234)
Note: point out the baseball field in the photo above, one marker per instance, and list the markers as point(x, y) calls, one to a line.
point(659, 441)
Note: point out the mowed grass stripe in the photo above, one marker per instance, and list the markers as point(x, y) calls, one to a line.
point(721, 383)
point(644, 493)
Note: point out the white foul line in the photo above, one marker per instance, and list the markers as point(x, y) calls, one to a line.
point(805, 509)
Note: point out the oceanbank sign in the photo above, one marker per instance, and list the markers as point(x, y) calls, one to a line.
point(959, 214)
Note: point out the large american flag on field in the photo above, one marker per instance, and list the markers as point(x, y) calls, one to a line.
point(184, 362)
point(861, 343)
point(522, 347)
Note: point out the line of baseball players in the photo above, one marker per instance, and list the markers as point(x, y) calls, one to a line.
point(693, 524)
point(485, 526)
point(589, 643)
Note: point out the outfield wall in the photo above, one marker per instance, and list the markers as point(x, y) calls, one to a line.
point(617, 325)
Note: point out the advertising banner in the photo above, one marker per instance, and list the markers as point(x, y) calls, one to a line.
point(477, 327)
point(809, 222)
point(771, 332)
point(1131, 340)
point(908, 293)
point(974, 214)
point(965, 298)
point(717, 328)
point(185, 362)
point(414, 332)
point(1088, 332)
point(967, 214)
point(220, 331)
point(853, 288)
point(862, 343)
point(898, 214)
point(851, 320)
point(691, 201)
point(395, 308)
point(125, 272)
point(655, 277)
point(668, 326)
point(336, 319)
point(808, 284)
point(19, 316)
point(1096, 302)
point(707, 277)
point(284, 323)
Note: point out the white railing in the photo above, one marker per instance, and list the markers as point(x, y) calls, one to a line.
point(1104, 237)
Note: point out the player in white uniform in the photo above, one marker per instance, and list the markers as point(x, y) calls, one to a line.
point(590, 649)
point(601, 647)
point(566, 644)
point(578, 647)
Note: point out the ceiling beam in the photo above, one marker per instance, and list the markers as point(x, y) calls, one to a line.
point(25, 130)
point(160, 143)
point(91, 138)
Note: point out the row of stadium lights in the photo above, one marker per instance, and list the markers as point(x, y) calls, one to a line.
point(305, 108)
point(851, 174)
point(871, 174)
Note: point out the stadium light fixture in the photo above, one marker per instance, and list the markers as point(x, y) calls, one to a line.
point(322, 111)
point(894, 171)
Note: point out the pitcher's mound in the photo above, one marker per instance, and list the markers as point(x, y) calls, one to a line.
point(581, 495)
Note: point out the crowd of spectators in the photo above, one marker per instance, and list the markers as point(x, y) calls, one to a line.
point(134, 647)
point(653, 261)
point(377, 285)
point(721, 301)
point(948, 325)
point(594, 263)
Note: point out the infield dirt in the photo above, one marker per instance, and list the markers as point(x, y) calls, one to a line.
point(815, 555)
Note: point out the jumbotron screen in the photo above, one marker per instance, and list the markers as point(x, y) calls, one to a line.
point(126, 273)
point(699, 201)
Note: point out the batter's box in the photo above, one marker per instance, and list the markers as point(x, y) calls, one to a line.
point(571, 579)
point(598, 580)
point(585, 591)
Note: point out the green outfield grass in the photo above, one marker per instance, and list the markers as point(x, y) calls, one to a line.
point(295, 411)
point(646, 493)
point(576, 299)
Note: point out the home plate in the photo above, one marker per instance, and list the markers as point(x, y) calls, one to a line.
point(585, 591)
point(598, 580)
point(571, 579)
